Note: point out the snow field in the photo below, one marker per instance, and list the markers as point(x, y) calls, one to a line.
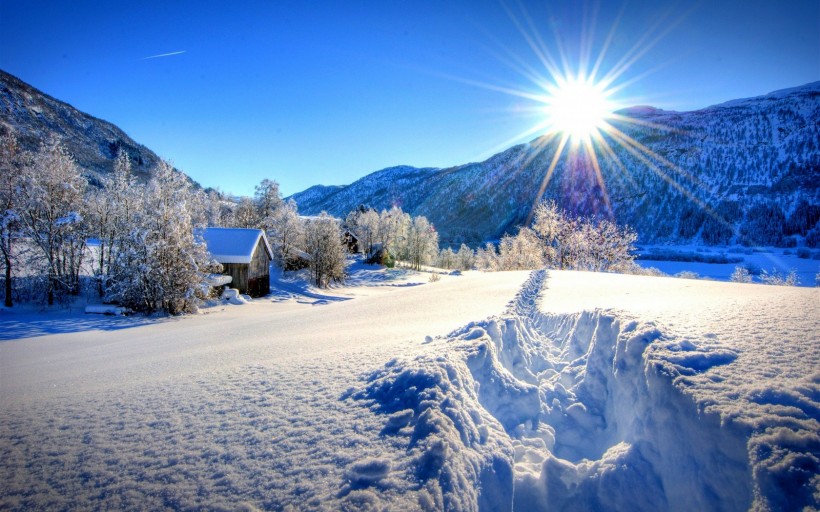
point(588, 392)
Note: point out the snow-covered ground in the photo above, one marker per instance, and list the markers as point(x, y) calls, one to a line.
point(559, 390)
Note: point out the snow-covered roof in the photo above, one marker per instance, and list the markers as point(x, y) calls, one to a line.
point(234, 245)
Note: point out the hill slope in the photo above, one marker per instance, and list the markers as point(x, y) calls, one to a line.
point(35, 116)
point(746, 170)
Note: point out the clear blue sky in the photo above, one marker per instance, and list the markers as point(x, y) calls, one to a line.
point(313, 92)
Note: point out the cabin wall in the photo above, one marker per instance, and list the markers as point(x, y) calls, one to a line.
point(239, 274)
point(259, 272)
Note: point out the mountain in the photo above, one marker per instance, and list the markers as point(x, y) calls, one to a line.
point(743, 171)
point(35, 116)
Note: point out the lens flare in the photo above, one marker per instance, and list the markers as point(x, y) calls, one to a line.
point(577, 107)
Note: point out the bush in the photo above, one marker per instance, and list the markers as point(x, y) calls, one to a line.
point(741, 275)
point(803, 253)
point(687, 274)
point(775, 278)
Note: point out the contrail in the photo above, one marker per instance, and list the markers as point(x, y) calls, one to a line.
point(163, 55)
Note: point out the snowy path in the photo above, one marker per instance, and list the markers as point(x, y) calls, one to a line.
point(229, 407)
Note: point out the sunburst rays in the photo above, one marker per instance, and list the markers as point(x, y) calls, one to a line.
point(590, 138)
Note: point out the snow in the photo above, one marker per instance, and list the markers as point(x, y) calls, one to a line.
point(770, 259)
point(232, 296)
point(553, 390)
point(105, 309)
point(233, 245)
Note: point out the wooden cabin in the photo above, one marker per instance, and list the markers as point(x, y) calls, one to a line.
point(245, 255)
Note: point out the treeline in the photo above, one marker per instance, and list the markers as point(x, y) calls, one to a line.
point(556, 239)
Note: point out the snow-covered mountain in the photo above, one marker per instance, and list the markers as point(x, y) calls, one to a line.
point(743, 171)
point(35, 116)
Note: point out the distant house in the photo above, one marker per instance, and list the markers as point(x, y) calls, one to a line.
point(351, 241)
point(245, 255)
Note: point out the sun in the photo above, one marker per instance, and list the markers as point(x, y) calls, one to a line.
point(577, 107)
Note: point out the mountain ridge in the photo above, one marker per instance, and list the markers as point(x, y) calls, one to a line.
point(34, 116)
point(708, 172)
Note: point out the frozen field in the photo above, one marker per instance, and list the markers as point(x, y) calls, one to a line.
point(488, 391)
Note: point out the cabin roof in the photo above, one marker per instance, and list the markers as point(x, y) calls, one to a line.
point(234, 245)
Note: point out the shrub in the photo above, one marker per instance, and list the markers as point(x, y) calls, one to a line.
point(775, 278)
point(741, 275)
point(687, 274)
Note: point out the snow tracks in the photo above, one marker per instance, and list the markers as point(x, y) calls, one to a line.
point(584, 411)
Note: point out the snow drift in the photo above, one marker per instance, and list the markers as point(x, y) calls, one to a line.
point(536, 411)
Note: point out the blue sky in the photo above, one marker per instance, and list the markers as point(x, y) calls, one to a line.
point(325, 92)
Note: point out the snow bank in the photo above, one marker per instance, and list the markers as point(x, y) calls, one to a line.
point(454, 448)
point(592, 411)
point(232, 296)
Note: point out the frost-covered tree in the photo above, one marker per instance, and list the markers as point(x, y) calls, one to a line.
point(777, 279)
point(12, 162)
point(364, 222)
point(267, 200)
point(609, 247)
point(51, 197)
point(578, 243)
point(486, 258)
point(447, 259)
point(286, 233)
point(393, 227)
point(521, 252)
point(420, 245)
point(326, 251)
point(159, 264)
point(216, 210)
point(741, 275)
point(465, 257)
point(245, 215)
point(110, 209)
